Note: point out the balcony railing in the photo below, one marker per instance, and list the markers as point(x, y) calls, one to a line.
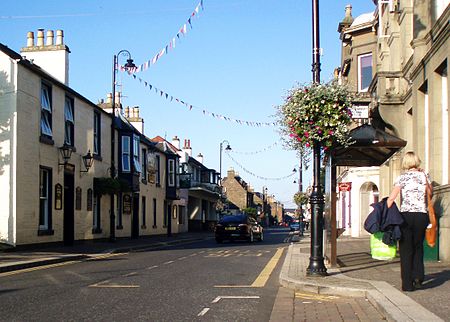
point(186, 182)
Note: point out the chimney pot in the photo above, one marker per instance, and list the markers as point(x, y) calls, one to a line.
point(109, 98)
point(136, 112)
point(127, 112)
point(176, 142)
point(40, 38)
point(49, 40)
point(30, 39)
point(59, 37)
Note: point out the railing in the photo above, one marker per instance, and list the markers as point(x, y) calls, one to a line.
point(186, 182)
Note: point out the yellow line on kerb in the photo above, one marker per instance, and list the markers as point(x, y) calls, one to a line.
point(261, 280)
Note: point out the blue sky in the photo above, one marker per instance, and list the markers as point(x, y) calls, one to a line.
point(238, 60)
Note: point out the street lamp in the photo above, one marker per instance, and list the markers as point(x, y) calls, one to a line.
point(316, 261)
point(128, 65)
point(227, 148)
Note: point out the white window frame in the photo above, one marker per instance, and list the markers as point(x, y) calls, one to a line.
point(46, 110)
point(171, 173)
point(44, 198)
point(126, 165)
point(69, 122)
point(136, 152)
point(360, 57)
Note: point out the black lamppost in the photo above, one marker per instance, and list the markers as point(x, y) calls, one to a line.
point(129, 64)
point(316, 261)
point(227, 148)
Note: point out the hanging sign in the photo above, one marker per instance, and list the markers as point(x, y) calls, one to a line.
point(126, 204)
point(345, 186)
point(58, 196)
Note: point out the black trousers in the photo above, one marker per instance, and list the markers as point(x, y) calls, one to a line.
point(411, 248)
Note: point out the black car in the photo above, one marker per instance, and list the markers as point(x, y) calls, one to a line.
point(241, 226)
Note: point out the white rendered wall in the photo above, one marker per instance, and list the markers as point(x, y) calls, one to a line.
point(55, 62)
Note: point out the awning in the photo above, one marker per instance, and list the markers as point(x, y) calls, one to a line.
point(371, 147)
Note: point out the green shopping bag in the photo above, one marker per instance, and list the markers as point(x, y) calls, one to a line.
point(380, 250)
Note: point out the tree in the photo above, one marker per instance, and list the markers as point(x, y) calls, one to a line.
point(301, 198)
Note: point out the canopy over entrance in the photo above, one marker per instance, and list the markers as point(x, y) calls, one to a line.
point(371, 147)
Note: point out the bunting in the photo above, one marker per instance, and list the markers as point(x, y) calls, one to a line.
point(270, 147)
point(205, 112)
point(255, 175)
point(171, 45)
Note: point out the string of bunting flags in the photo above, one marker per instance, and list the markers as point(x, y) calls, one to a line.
point(255, 175)
point(255, 152)
point(171, 45)
point(167, 96)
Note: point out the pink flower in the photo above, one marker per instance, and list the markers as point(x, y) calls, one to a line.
point(307, 145)
point(330, 132)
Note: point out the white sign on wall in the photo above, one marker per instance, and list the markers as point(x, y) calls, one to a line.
point(360, 112)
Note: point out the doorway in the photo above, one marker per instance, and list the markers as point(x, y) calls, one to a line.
point(69, 211)
point(368, 196)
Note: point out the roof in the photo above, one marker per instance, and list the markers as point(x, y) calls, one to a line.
point(363, 19)
point(371, 147)
point(164, 145)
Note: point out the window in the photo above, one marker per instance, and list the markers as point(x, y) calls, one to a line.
point(157, 170)
point(154, 213)
point(69, 122)
point(46, 111)
point(96, 219)
point(97, 142)
point(126, 154)
point(144, 204)
point(364, 72)
point(144, 166)
point(45, 205)
point(171, 172)
point(136, 162)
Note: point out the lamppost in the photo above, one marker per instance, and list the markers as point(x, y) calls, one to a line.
point(129, 64)
point(316, 261)
point(227, 148)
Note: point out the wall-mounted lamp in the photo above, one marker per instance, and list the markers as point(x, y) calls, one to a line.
point(66, 153)
point(88, 159)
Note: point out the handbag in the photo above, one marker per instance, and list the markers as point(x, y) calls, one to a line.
point(379, 250)
point(431, 232)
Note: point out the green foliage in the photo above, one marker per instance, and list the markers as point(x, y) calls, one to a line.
point(250, 211)
point(316, 113)
point(301, 198)
point(107, 185)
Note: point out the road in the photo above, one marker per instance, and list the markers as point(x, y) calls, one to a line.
point(200, 281)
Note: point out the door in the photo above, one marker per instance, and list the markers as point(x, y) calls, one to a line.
point(135, 218)
point(69, 211)
point(169, 219)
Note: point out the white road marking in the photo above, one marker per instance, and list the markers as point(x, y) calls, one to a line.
point(169, 262)
point(217, 299)
point(203, 312)
point(181, 258)
point(130, 274)
point(195, 254)
point(152, 267)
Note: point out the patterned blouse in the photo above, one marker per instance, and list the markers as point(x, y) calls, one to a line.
point(413, 185)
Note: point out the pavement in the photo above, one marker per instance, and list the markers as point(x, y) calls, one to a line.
point(359, 289)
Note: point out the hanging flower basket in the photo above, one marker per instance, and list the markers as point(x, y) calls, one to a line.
point(316, 113)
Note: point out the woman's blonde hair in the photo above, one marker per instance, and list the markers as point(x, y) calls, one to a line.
point(410, 160)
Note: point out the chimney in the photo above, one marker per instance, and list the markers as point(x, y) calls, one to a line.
point(30, 39)
point(118, 95)
point(231, 173)
point(40, 38)
point(59, 38)
point(49, 40)
point(109, 98)
point(176, 142)
point(127, 112)
point(53, 58)
point(200, 158)
point(136, 112)
point(187, 147)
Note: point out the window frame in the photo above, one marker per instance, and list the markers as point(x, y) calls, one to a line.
point(69, 121)
point(144, 165)
point(158, 170)
point(46, 126)
point(154, 212)
point(171, 171)
point(96, 133)
point(136, 154)
point(360, 72)
point(45, 218)
point(126, 154)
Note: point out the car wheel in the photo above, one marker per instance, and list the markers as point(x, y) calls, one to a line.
point(219, 241)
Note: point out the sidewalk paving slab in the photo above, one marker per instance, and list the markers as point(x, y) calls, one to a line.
point(396, 305)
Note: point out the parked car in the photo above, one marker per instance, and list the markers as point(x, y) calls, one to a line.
point(294, 226)
point(238, 227)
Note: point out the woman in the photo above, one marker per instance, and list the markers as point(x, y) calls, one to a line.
point(413, 185)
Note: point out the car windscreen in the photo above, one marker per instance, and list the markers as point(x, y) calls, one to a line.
point(233, 219)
